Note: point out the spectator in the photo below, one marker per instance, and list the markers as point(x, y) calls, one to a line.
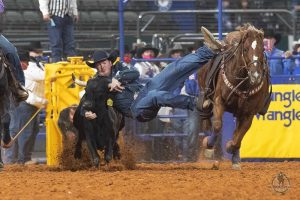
point(243, 18)
point(176, 52)
point(147, 69)
point(60, 16)
point(296, 52)
point(292, 67)
point(227, 17)
point(276, 65)
point(34, 76)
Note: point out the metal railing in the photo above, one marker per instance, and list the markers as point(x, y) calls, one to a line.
point(278, 12)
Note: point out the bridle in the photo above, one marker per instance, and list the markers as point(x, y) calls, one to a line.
point(235, 89)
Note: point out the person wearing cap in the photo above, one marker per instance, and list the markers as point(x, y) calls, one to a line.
point(36, 52)
point(277, 66)
point(15, 69)
point(176, 52)
point(147, 69)
point(296, 52)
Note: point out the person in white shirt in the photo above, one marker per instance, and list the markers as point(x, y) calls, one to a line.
point(34, 73)
point(60, 16)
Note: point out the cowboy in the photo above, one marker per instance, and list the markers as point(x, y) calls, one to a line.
point(121, 74)
point(159, 91)
point(277, 66)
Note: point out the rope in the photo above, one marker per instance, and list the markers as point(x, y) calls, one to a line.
point(20, 131)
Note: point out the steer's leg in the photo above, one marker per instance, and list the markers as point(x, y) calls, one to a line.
point(233, 146)
point(92, 146)
point(78, 147)
point(109, 151)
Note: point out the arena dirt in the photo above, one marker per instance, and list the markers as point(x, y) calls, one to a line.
point(149, 181)
point(67, 160)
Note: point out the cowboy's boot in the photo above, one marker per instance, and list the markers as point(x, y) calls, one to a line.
point(18, 90)
point(20, 93)
point(209, 40)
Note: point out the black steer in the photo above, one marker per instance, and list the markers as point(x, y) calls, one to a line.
point(102, 132)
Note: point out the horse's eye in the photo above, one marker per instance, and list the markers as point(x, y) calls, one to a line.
point(245, 50)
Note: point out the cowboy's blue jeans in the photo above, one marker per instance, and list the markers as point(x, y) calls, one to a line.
point(10, 52)
point(159, 91)
point(61, 36)
point(21, 150)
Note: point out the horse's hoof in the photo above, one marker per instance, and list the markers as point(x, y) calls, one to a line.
point(229, 147)
point(209, 153)
point(236, 166)
point(1, 165)
point(216, 165)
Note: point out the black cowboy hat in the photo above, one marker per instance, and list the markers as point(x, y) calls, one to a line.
point(141, 50)
point(35, 46)
point(271, 34)
point(24, 55)
point(99, 56)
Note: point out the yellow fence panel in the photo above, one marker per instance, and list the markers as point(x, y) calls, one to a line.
point(61, 92)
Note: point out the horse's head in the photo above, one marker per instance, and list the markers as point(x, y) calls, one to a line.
point(250, 46)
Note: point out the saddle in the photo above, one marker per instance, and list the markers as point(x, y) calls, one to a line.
point(210, 84)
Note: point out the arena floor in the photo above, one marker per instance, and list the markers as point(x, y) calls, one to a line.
point(149, 181)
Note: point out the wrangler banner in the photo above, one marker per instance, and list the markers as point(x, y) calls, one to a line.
point(277, 134)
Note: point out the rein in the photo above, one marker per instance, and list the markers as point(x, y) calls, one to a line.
point(235, 88)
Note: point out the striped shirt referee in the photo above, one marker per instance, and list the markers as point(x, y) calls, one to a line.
point(58, 8)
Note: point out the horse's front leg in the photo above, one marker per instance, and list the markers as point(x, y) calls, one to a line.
point(211, 140)
point(233, 146)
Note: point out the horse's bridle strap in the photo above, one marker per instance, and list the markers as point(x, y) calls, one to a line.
point(243, 94)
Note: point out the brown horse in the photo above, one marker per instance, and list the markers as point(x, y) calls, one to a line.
point(237, 81)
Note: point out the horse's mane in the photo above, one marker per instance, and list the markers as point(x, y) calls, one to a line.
point(235, 36)
point(249, 27)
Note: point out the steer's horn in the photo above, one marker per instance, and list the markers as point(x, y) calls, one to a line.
point(78, 82)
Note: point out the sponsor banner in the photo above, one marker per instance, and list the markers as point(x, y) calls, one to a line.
point(277, 134)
